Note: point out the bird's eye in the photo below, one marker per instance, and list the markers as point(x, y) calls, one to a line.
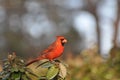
point(62, 39)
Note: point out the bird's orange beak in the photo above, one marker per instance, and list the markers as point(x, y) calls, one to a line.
point(64, 41)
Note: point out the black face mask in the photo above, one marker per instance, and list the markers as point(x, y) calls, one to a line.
point(62, 42)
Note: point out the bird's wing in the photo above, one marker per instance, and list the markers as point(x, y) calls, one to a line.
point(49, 49)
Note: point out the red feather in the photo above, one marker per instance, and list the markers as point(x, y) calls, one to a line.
point(53, 51)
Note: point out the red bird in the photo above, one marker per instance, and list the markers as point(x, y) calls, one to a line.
point(53, 51)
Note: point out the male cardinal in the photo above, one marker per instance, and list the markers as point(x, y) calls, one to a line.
point(53, 51)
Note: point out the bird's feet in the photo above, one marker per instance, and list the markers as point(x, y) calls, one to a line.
point(55, 62)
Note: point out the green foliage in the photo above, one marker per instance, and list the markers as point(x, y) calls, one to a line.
point(94, 67)
point(55, 70)
point(14, 69)
point(87, 66)
point(52, 72)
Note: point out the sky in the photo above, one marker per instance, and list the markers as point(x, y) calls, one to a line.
point(83, 21)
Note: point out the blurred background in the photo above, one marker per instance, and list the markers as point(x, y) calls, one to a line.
point(28, 26)
point(91, 27)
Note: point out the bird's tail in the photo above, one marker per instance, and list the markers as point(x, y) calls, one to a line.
point(34, 60)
